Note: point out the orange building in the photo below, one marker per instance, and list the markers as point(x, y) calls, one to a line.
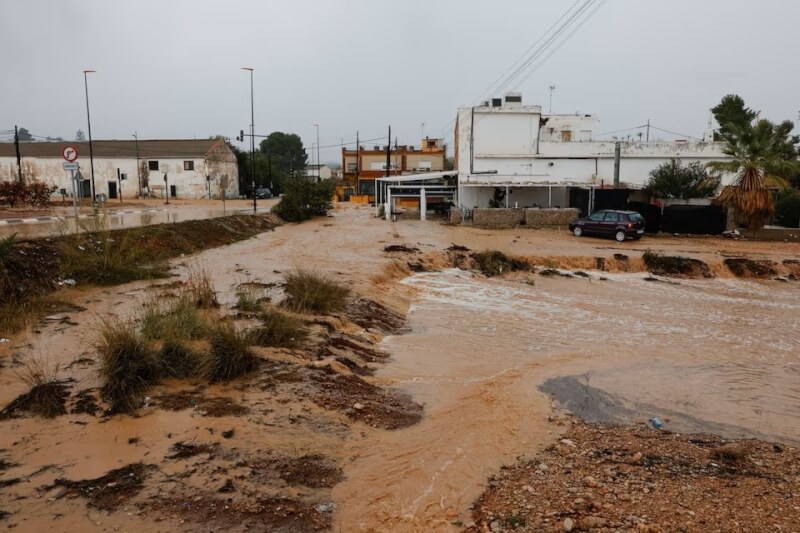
point(361, 167)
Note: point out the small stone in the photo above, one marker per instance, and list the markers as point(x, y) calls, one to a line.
point(592, 522)
point(636, 457)
point(358, 406)
point(568, 524)
point(589, 481)
point(568, 442)
point(496, 527)
point(542, 467)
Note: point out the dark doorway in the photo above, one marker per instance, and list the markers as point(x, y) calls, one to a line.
point(112, 189)
point(86, 189)
point(173, 191)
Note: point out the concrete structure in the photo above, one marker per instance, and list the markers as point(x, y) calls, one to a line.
point(320, 172)
point(361, 167)
point(518, 157)
point(194, 167)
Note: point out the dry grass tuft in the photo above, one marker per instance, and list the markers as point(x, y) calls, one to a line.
point(46, 393)
point(312, 292)
point(200, 288)
point(179, 319)
point(278, 330)
point(177, 360)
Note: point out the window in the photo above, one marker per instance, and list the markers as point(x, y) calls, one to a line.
point(597, 216)
point(635, 217)
point(152, 165)
point(424, 165)
point(612, 217)
point(431, 144)
point(351, 167)
point(566, 136)
point(623, 217)
point(188, 165)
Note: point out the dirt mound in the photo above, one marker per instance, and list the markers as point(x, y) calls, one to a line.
point(640, 479)
point(748, 268)
point(109, 491)
point(371, 315)
point(362, 401)
point(676, 266)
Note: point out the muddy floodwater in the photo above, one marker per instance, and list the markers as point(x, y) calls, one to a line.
point(491, 360)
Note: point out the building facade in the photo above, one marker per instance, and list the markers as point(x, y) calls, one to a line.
point(319, 172)
point(194, 168)
point(512, 153)
point(361, 167)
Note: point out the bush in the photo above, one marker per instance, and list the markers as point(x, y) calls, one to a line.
point(278, 329)
point(304, 199)
point(673, 179)
point(494, 263)
point(34, 193)
point(308, 291)
point(128, 366)
point(787, 208)
point(229, 356)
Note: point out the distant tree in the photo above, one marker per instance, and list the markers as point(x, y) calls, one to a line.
point(80, 136)
point(305, 198)
point(764, 155)
point(449, 163)
point(284, 156)
point(24, 135)
point(676, 180)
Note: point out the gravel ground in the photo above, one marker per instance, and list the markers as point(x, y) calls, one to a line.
point(640, 479)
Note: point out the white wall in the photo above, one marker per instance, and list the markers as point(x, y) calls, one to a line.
point(189, 183)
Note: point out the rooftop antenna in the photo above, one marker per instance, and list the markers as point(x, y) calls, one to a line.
point(552, 89)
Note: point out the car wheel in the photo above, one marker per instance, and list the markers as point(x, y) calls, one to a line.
point(577, 231)
point(619, 235)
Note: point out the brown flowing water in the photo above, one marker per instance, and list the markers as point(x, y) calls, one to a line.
point(719, 355)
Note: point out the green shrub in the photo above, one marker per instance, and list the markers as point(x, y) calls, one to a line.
point(787, 208)
point(312, 292)
point(305, 198)
point(278, 329)
point(246, 300)
point(128, 366)
point(229, 356)
point(178, 360)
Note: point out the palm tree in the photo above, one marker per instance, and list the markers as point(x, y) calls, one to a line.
point(761, 152)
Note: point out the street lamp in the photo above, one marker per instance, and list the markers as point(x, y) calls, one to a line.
point(319, 165)
point(252, 138)
point(138, 168)
point(89, 121)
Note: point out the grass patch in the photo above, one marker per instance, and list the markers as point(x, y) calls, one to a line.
point(229, 356)
point(177, 360)
point(46, 394)
point(246, 300)
point(313, 292)
point(16, 316)
point(6, 243)
point(278, 330)
point(128, 365)
point(493, 263)
point(200, 289)
point(174, 320)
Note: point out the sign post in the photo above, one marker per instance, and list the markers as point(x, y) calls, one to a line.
point(70, 155)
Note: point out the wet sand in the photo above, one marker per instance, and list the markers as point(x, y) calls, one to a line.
point(720, 352)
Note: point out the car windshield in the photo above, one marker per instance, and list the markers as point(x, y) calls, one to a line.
point(597, 216)
point(635, 217)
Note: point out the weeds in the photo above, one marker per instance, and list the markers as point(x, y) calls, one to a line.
point(177, 360)
point(6, 243)
point(16, 316)
point(308, 291)
point(278, 330)
point(247, 301)
point(177, 320)
point(200, 288)
point(128, 365)
point(494, 263)
point(46, 395)
point(229, 356)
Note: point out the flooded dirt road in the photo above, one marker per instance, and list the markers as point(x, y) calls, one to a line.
point(719, 355)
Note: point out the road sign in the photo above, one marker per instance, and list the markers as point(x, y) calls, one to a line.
point(71, 166)
point(70, 153)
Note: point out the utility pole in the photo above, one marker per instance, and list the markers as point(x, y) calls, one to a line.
point(358, 164)
point(552, 89)
point(138, 168)
point(89, 121)
point(319, 165)
point(617, 151)
point(19, 156)
point(252, 138)
point(389, 152)
point(648, 130)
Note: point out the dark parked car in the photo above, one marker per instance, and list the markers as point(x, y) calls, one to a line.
point(263, 194)
point(619, 224)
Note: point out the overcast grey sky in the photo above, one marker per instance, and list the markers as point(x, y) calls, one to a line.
point(170, 68)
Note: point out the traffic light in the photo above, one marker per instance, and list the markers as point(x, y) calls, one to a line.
point(241, 135)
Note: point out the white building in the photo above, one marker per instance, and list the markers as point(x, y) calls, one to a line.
point(195, 168)
point(319, 172)
point(533, 159)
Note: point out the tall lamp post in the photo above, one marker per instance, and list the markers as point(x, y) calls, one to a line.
point(319, 165)
point(138, 167)
point(252, 138)
point(89, 121)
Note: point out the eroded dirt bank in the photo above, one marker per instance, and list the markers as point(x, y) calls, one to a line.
point(361, 432)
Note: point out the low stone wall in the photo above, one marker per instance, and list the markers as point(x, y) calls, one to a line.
point(550, 218)
point(455, 215)
point(498, 218)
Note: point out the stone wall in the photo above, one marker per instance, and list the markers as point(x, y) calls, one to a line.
point(498, 218)
point(455, 215)
point(550, 218)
